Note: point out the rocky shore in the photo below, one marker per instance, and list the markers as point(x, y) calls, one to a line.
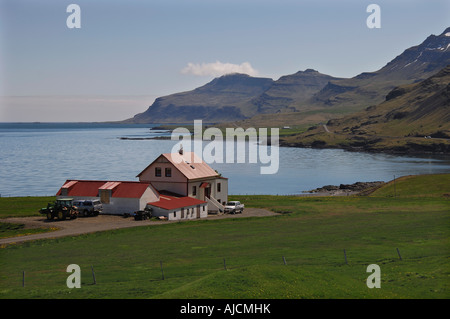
point(344, 189)
point(398, 147)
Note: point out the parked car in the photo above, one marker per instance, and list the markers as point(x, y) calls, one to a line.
point(88, 207)
point(234, 207)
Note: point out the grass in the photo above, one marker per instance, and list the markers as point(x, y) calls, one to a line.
point(411, 186)
point(23, 206)
point(311, 235)
point(13, 230)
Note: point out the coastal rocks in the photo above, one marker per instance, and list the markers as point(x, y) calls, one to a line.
point(346, 188)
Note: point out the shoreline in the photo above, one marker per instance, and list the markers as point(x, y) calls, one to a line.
point(388, 151)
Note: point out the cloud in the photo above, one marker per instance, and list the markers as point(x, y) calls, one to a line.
point(218, 68)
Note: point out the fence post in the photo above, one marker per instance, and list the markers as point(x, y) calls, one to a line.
point(93, 275)
point(224, 265)
point(23, 278)
point(399, 256)
point(162, 271)
point(284, 260)
point(395, 191)
point(345, 256)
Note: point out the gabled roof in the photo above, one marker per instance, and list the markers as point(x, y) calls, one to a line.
point(130, 190)
point(81, 188)
point(170, 202)
point(87, 188)
point(189, 164)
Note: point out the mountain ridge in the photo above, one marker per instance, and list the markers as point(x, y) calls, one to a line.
point(236, 97)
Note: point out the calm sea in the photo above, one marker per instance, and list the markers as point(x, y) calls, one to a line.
point(36, 159)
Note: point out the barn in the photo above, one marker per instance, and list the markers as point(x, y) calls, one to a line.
point(179, 208)
point(117, 197)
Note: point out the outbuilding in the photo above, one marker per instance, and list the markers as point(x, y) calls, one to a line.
point(117, 197)
point(179, 208)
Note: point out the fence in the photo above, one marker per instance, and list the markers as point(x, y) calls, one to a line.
point(161, 270)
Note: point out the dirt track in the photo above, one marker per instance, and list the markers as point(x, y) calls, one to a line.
point(83, 225)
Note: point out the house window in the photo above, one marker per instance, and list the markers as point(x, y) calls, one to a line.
point(219, 187)
point(194, 190)
point(168, 172)
point(158, 171)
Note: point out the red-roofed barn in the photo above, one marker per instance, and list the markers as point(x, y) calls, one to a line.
point(116, 197)
point(174, 208)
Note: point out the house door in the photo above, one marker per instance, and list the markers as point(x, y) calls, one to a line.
point(198, 211)
point(207, 192)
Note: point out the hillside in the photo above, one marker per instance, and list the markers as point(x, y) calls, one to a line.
point(369, 88)
point(290, 90)
point(399, 124)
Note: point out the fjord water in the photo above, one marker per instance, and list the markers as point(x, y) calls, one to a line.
point(37, 158)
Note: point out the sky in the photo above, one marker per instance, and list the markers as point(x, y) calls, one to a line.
point(127, 53)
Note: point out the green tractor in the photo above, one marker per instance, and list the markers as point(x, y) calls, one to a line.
point(61, 209)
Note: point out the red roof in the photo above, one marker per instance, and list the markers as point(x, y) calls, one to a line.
point(81, 188)
point(91, 188)
point(189, 164)
point(171, 202)
point(130, 189)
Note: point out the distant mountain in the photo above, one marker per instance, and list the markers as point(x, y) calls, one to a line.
point(237, 97)
point(421, 61)
point(370, 88)
point(222, 99)
point(234, 97)
point(289, 90)
point(413, 118)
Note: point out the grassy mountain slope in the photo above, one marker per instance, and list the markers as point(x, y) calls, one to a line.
point(399, 124)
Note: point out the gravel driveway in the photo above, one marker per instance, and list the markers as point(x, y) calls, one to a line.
point(83, 225)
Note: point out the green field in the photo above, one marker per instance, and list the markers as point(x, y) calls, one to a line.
point(311, 234)
point(23, 206)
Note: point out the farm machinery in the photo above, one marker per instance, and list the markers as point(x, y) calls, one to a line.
point(61, 209)
point(143, 214)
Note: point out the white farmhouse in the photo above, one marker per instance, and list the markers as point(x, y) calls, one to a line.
point(185, 174)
